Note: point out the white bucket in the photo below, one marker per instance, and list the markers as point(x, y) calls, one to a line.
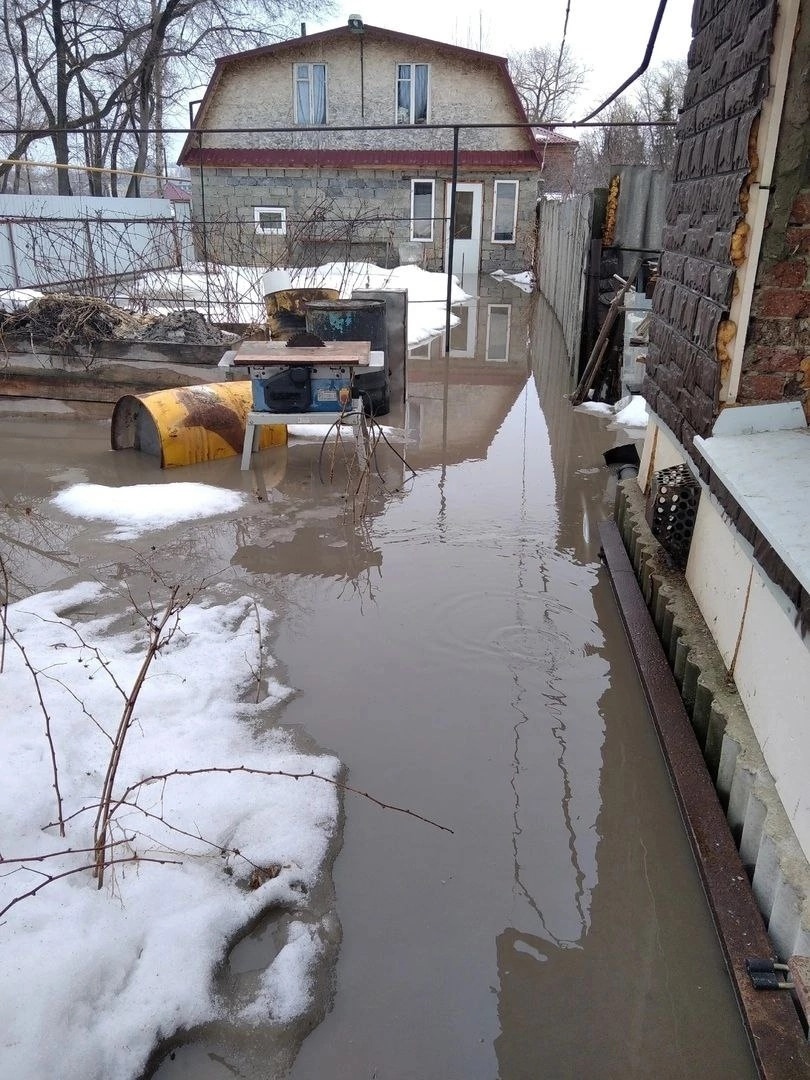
point(275, 281)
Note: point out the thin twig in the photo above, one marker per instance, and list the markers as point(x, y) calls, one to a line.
point(339, 784)
point(50, 878)
point(156, 627)
point(48, 733)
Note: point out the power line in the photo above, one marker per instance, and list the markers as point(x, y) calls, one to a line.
point(639, 71)
point(560, 54)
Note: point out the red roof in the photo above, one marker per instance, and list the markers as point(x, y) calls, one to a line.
point(234, 157)
point(547, 136)
point(370, 33)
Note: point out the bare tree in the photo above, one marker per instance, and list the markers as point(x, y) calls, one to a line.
point(547, 81)
point(656, 97)
point(104, 73)
point(659, 96)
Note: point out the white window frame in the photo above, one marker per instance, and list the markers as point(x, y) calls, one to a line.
point(508, 309)
point(516, 185)
point(423, 180)
point(412, 65)
point(311, 81)
point(264, 230)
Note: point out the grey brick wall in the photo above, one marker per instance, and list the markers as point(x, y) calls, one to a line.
point(344, 214)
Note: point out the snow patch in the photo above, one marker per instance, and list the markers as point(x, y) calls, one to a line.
point(634, 414)
point(92, 979)
point(235, 292)
point(141, 508)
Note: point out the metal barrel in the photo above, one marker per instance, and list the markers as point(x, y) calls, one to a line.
point(348, 320)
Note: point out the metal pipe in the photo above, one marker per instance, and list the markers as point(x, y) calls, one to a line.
point(451, 242)
point(204, 230)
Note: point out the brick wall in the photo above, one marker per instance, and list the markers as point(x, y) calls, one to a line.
point(776, 361)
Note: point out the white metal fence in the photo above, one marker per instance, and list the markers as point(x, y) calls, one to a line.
point(51, 240)
point(562, 253)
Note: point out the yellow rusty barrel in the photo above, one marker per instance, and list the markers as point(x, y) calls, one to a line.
point(287, 309)
point(189, 424)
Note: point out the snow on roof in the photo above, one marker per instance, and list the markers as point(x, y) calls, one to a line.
point(552, 137)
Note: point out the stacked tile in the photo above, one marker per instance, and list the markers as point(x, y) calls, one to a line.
point(727, 82)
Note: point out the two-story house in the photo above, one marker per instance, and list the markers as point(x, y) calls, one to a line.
point(363, 163)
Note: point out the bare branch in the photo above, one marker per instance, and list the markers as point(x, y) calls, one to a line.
point(339, 784)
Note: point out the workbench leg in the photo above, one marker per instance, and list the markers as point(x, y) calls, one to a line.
point(251, 431)
point(361, 440)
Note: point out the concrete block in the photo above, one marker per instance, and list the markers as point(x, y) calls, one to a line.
point(783, 925)
point(713, 748)
point(766, 875)
point(753, 825)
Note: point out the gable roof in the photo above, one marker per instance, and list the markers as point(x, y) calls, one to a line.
point(370, 33)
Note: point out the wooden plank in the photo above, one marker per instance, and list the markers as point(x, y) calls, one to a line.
point(152, 351)
point(265, 353)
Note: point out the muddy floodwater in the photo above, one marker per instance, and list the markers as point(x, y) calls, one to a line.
point(462, 654)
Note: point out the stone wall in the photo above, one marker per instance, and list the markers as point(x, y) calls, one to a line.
point(335, 214)
point(257, 92)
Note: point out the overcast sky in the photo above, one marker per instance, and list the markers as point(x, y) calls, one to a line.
point(608, 37)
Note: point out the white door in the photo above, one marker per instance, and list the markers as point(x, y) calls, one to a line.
point(467, 238)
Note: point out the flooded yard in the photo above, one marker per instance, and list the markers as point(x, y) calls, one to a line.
point(462, 655)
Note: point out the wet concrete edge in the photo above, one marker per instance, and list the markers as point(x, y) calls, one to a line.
point(778, 1043)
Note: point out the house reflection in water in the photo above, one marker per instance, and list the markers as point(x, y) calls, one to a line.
point(457, 403)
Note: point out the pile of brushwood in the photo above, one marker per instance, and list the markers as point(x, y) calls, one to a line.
point(75, 324)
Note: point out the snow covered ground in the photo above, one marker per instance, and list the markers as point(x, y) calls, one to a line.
point(92, 979)
point(236, 294)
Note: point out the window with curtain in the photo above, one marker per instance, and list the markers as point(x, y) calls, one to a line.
point(310, 94)
point(422, 209)
point(504, 212)
point(412, 93)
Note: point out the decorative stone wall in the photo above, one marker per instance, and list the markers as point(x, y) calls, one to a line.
point(705, 233)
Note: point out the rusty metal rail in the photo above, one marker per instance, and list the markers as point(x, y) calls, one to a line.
point(778, 1043)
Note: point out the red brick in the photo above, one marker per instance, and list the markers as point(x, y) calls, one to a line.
point(762, 387)
point(797, 238)
point(767, 359)
point(783, 303)
point(789, 274)
point(774, 331)
point(800, 211)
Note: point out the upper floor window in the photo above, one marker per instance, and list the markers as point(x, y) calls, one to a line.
point(310, 93)
point(412, 93)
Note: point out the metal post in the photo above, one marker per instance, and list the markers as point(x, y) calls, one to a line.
point(204, 228)
point(451, 242)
